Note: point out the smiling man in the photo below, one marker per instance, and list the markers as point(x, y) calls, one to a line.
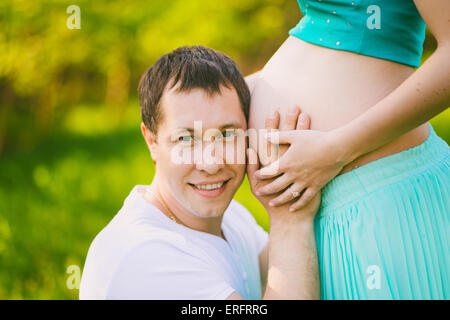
point(183, 237)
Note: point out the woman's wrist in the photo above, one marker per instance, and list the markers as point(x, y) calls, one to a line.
point(344, 140)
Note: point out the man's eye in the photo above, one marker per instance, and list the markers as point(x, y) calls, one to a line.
point(185, 139)
point(229, 134)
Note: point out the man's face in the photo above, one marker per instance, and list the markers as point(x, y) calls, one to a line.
point(200, 150)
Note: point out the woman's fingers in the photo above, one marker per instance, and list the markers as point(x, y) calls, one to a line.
point(282, 137)
point(291, 193)
point(305, 198)
point(303, 122)
point(273, 121)
point(275, 186)
point(270, 171)
point(290, 120)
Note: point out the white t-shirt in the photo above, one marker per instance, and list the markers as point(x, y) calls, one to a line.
point(142, 254)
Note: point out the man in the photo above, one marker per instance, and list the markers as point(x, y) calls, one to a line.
point(184, 237)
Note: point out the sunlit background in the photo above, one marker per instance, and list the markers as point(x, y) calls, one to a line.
point(70, 144)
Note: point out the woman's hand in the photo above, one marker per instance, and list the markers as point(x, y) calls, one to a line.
point(311, 161)
point(294, 120)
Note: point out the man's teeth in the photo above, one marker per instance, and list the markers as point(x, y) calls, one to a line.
point(209, 186)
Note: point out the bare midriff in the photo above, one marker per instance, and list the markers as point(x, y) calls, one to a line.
point(333, 87)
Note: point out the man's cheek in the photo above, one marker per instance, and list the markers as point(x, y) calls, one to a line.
point(235, 153)
point(239, 174)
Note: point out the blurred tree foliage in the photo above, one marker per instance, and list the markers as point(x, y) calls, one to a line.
point(47, 68)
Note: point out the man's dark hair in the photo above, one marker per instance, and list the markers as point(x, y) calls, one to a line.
point(194, 67)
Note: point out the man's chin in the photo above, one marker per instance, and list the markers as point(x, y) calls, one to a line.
point(208, 211)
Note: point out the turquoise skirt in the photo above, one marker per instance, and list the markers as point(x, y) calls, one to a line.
point(382, 231)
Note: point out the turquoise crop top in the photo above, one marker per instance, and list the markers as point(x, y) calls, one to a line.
point(386, 29)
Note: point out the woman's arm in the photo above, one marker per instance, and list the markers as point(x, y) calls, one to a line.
point(421, 97)
point(314, 157)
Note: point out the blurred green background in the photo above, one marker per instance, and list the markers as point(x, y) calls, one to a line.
point(70, 144)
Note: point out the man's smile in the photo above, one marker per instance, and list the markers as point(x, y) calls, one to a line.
point(210, 189)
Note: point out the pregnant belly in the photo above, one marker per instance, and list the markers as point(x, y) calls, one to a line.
point(333, 87)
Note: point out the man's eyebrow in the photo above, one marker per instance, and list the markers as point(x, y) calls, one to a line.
point(231, 125)
point(226, 126)
point(181, 130)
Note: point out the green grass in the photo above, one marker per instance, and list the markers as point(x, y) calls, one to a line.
point(56, 197)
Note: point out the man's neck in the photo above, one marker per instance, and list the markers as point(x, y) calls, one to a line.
point(171, 208)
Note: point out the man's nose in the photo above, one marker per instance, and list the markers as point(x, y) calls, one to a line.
point(211, 159)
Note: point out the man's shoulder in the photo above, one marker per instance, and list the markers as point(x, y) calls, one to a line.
point(132, 229)
point(239, 213)
point(129, 229)
point(247, 228)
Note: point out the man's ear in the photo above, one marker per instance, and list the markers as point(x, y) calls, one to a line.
point(150, 139)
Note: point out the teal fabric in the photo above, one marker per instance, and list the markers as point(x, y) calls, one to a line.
point(382, 231)
point(343, 25)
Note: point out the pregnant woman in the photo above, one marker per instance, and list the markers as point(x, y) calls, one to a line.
point(382, 231)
